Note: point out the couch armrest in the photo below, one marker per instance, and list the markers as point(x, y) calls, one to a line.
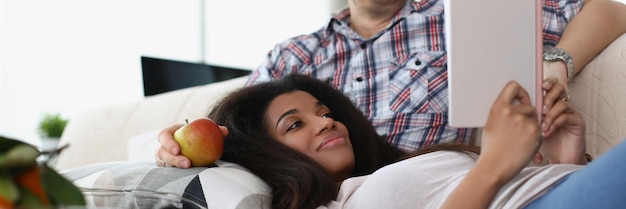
point(598, 92)
point(102, 134)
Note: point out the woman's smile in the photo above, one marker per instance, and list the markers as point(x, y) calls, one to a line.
point(331, 141)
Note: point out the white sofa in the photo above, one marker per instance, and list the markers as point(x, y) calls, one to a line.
point(103, 134)
point(112, 147)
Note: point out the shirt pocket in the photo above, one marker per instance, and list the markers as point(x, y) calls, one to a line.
point(418, 83)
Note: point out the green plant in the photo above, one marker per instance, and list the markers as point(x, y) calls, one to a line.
point(26, 183)
point(51, 125)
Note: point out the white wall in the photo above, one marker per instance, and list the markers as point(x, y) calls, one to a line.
point(235, 31)
point(69, 56)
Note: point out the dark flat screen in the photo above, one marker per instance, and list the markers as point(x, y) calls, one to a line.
point(162, 75)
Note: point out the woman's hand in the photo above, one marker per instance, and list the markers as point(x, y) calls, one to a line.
point(510, 139)
point(562, 128)
point(168, 154)
point(511, 136)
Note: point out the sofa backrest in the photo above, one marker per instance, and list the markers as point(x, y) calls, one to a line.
point(598, 92)
point(102, 134)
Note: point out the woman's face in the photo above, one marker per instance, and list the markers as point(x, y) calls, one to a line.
point(300, 121)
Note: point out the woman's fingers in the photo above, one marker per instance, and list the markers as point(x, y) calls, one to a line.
point(561, 115)
point(554, 92)
point(224, 130)
point(166, 139)
point(166, 159)
point(512, 93)
point(168, 154)
point(514, 99)
point(557, 109)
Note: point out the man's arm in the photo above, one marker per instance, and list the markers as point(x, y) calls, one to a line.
point(597, 25)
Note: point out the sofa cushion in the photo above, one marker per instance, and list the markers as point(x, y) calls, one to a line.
point(128, 184)
point(142, 146)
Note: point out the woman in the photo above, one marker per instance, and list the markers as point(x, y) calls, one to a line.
point(315, 149)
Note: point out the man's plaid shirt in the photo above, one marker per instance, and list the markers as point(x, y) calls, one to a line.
point(398, 77)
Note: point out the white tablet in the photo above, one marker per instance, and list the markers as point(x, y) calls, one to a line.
point(490, 42)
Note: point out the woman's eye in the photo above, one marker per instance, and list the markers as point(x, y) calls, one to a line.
point(294, 125)
point(328, 115)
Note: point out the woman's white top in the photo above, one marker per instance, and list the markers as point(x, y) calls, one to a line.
point(426, 180)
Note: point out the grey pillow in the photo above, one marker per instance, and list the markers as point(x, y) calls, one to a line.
point(144, 185)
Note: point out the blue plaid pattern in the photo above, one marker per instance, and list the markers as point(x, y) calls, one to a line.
point(397, 78)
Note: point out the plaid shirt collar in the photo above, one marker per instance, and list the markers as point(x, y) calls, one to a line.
point(341, 20)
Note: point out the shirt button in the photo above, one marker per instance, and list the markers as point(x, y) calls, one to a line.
point(418, 62)
point(359, 79)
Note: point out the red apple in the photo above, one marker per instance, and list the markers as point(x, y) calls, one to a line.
point(201, 141)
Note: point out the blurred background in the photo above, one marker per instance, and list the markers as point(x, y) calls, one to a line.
point(68, 56)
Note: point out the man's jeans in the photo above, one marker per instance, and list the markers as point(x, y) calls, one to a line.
point(600, 184)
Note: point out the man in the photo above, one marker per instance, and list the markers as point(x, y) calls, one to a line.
point(389, 57)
